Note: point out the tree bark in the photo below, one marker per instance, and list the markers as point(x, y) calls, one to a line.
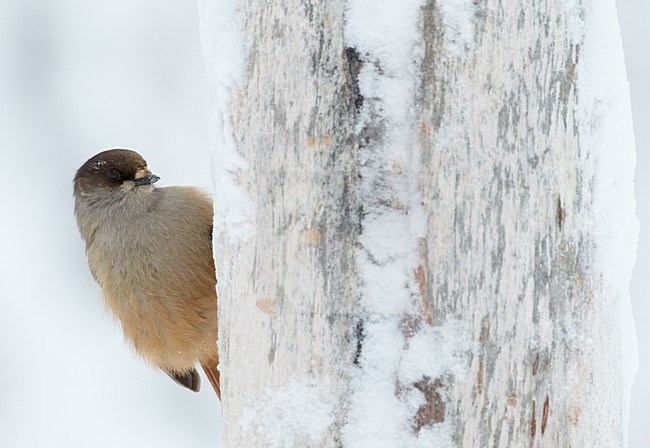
point(417, 269)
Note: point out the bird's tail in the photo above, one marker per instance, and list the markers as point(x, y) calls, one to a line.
point(212, 372)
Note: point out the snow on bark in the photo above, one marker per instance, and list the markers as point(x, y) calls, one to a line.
point(225, 62)
point(605, 116)
point(281, 416)
point(458, 19)
point(396, 352)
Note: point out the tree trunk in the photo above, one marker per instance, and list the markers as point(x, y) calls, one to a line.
point(411, 238)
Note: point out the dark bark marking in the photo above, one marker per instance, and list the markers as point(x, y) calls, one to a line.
point(560, 213)
point(433, 411)
point(533, 423)
point(485, 333)
point(480, 376)
point(352, 69)
point(271, 356)
point(535, 364)
point(359, 336)
point(545, 414)
point(421, 279)
point(409, 325)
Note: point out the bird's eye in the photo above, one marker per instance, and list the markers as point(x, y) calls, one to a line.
point(113, 175)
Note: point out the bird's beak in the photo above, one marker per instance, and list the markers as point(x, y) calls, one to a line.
point(147, 179)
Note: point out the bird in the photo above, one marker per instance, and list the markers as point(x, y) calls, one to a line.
point(150, 251)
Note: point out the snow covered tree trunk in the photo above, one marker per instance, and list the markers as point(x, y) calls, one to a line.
point(424, 226)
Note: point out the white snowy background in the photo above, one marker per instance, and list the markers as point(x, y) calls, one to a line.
point(75, 78)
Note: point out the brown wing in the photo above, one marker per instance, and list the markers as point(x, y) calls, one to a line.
point(211, 371)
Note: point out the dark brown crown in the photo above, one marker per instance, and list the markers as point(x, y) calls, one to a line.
point(108, 169)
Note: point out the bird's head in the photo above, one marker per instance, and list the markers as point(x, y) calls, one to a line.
point(113, 172)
